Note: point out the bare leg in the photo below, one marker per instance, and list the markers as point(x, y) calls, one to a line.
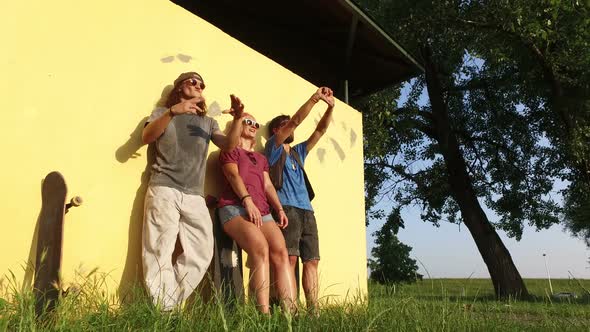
point(279, 262)
point(310, 283)
point(251, 239)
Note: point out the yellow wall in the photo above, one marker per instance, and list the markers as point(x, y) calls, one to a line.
point(78, 79)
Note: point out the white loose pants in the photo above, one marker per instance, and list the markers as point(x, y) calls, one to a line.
point(167, 213)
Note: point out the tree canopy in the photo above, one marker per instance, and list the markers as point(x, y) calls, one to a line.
point(507, 117)
point(392, 262)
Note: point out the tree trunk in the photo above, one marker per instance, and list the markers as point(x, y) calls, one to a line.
point(505, 276)
point(568, 103)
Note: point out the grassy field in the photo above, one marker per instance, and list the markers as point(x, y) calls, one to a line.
point(429, 305)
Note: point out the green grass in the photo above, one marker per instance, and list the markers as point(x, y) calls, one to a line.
point(429, 305)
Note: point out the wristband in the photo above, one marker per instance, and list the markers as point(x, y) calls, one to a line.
point(244, 197)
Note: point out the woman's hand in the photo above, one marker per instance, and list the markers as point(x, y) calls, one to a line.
point(236, 109)
point(253, 213)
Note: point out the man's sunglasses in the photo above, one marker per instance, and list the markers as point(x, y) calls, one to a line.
point(252, 123)
point(196, 83)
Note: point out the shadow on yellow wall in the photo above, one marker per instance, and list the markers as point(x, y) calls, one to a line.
point(30, 267)
point(132, 276)
point(99, 84)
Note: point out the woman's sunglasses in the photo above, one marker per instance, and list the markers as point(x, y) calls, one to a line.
point(196, 83)
point(253, 123)
point(252, 157)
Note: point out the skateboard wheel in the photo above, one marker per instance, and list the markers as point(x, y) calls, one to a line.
point(76, 201)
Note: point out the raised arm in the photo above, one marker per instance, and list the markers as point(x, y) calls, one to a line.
point(230, 170)
point(229, 142)
point(285, 131)
point(322, 126)
point(273, 200)
point(156, 128)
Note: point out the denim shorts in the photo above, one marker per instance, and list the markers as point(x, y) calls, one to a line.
point(228, 212)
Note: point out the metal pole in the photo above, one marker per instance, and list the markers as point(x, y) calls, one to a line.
point(346, 91)
point(348, 54)
point(548, 276)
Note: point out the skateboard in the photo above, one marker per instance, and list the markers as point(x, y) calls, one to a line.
point(49, 241)
point(227, 259)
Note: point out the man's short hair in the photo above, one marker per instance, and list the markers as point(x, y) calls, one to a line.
point(276, 122)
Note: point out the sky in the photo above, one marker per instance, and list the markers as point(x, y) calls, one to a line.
point(449, 251)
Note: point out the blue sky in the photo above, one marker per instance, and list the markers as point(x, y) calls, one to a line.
point(450, 252)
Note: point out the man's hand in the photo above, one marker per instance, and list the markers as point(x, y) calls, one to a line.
point(236, 108)
point(326, 94)
point(283, 220)
point(329, 99)
point(190, 106)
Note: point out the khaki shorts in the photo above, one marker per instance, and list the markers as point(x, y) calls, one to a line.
point(301, 235)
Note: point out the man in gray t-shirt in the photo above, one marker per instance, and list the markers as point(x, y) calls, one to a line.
point(174, 201)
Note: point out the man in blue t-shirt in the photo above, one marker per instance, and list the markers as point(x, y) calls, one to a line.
point(301, 235)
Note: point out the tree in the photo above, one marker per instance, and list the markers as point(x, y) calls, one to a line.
point(479, 140)
point(548, 42)
point(392, 263)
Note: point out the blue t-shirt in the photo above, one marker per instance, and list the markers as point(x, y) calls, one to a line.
point(293, 192)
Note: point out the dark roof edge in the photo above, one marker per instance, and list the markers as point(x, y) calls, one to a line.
point(368, 20)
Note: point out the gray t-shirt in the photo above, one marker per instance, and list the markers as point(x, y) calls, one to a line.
point(181, 152)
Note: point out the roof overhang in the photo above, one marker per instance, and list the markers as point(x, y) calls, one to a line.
point(327, 42)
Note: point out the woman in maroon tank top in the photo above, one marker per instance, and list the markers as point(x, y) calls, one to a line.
point(245, 213)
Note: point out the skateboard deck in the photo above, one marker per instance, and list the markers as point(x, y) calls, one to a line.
point(49, 241)
point(228, 271)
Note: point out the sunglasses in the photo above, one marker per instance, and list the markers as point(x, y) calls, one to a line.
point(196, 83)
point(253, 123)
point(252, 157)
